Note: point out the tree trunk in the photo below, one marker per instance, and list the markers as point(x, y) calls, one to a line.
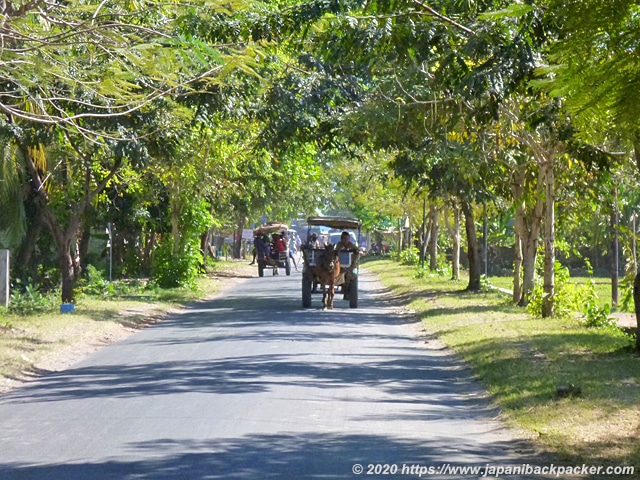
point(454, 233)
point(548, 300)
point(472, 244)
point(83, 246)
point(423, 232)
point(67, 272)
point(62, 237)
point(427, 240)
point(118, 247)
point(529, 254)
point(614, 249)
point(528, 231)
point(455, 268)
point(636, 301)
point(62, 240)
point(399, 240)
point(517, 271)
point(205, 240)
point(433, 244)
point(636, 283)
point(149, 245)
point(237, 244)
point(28, 245)
point(175, 229)
point(485, 242)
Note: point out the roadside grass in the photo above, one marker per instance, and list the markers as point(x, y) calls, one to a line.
point(522, 360)
point(50, 340)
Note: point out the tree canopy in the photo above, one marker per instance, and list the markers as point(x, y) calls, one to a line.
point(228, 111)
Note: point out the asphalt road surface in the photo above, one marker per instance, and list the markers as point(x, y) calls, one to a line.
point(248, 385)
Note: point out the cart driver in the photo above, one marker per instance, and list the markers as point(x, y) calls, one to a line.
point(346, 245)
point(313, 241)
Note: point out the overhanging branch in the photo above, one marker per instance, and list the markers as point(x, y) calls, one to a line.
point(444, 18)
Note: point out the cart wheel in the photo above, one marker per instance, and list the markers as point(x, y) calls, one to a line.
point(306, 293)
point(353, 293)
point(260, 270)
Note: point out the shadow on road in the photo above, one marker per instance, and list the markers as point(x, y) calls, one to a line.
point(257, 342)
point(321, 456)
point(397, 366)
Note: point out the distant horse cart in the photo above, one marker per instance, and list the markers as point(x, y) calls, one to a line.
point(332, 265)
point(276, 259)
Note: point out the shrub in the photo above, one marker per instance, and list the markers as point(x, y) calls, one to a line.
point(567, 296)
point(171, 270)
point(626, 304)
point(29, 301)
point(595, 316)
point(94, 283)
point(4, 322)
point(410, 256)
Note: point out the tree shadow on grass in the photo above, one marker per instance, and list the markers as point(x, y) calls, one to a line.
point(99, 314)
point(467, 309)
point(537, 364)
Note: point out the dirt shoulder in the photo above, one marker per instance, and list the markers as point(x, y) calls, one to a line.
point(31, 346)
point(30, 350)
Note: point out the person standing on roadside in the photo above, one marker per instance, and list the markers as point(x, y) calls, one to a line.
point(293, 250)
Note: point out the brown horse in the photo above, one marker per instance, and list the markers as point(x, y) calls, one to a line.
point(327, 271)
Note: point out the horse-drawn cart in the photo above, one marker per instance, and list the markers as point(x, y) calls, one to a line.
point(275, 259)
point(347, 255)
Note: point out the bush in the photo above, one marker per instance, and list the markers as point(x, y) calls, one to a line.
point(29, 301)
point(595, 316)
point(571, 299)
point(568, 297)
point(94, 283)
point(442, 271)
point(626, 304)
point(410, 256)
point(171, 270)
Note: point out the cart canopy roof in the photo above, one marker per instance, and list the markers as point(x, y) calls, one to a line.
point(271, 227)
point(335, 222)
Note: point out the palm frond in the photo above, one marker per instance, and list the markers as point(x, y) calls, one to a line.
point(12, 214)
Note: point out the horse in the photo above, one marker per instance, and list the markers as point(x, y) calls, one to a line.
point(327, 271)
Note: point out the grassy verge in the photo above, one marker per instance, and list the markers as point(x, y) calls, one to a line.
point(522, 360)
point(50, 340)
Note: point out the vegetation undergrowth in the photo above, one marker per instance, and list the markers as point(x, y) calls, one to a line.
point(522, 359)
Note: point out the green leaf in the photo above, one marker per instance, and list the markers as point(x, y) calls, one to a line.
point(515, 10)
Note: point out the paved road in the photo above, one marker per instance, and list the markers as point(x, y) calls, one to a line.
point(250, 386)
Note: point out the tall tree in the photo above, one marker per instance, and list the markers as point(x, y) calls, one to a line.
point(594, 66)
point(78, 79)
